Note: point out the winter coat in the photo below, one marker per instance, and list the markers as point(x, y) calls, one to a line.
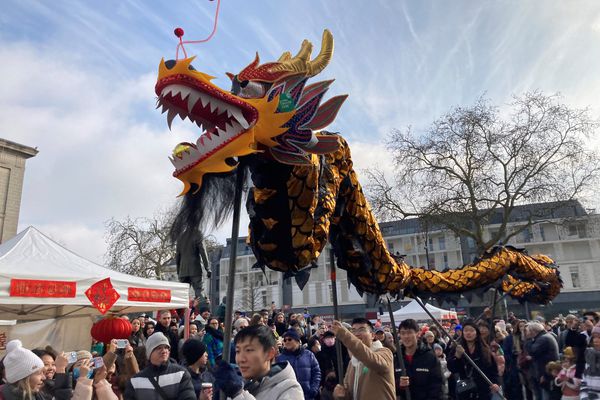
point(306, 367)
point(327, 359)
point(58, 388)
point(213, 339)
point(280, 384)
point(578, 342)
point(425, 375)
point(172, 378)
point(371, 371)
point(84, 390)
point(11, 392)
point(462, 367)
point(591, 376)
point(543, 348)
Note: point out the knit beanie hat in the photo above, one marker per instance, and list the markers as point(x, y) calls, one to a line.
point(192, 350)
point(19, 362)
point(437, 346)
point(293, 334)
point(155, 340)
point(84, 355)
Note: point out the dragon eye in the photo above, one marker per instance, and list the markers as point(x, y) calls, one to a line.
point(170, 64)
point(243, 84)
point(191, 67)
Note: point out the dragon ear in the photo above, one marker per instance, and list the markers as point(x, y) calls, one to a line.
point(230, 75)
point(326, 113)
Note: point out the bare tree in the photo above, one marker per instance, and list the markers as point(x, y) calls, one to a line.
point(478, 163)
point(140, 246)
point(251, 296)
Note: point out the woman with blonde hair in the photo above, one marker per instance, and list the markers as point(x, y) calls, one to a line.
point(24, 373)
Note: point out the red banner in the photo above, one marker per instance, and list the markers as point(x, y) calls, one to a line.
point(37, 288)
point(102, 295)
point(148, 295)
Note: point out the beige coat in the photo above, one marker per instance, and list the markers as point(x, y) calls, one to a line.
point(376, 380)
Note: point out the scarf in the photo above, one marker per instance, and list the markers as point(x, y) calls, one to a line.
point(358, 368)
point(217, 334)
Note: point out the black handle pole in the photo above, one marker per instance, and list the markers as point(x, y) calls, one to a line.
point(336, 313)
point(398, 348)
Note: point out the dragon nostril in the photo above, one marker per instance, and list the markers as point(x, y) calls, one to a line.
point(170, 64)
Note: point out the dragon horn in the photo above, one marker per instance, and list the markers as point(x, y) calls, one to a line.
point(301, 63)
point(320, 62)
point(285, 56)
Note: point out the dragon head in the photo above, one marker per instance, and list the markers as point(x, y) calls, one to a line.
point(268, 110)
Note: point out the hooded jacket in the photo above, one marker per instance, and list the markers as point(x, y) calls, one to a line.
point(280, 384)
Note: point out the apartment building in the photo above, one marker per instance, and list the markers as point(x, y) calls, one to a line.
point(566, 232)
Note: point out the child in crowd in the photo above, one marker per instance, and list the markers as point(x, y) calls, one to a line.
point(553, 368)
point(566, 379)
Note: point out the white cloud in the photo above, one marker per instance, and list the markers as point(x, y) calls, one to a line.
point(98, 158)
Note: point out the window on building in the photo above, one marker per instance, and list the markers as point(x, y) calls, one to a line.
point(526, 235)
point(430, 243)
point(574, 271)
point(445, 260)
point(442, 242)
point(470, 242)
point(578, 230)
point(390, 246)
point(542, 233)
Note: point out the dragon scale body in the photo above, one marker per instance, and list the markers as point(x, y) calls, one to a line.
point(296, 211)
point(305, 191)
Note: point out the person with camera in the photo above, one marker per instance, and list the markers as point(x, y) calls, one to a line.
point(471, 385)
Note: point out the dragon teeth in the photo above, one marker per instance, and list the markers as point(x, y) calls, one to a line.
point(170, 116)
point(237, 114)
point(192, 100)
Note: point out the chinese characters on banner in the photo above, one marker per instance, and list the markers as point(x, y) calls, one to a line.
point(148, 295)
point(40, 288)
point(102, 295)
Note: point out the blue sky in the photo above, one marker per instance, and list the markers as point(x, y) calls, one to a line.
point(78, 78)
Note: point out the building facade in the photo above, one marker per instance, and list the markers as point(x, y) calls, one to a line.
point(566, 232)
point(12, 171)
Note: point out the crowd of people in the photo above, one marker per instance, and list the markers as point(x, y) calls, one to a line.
point(294, 356)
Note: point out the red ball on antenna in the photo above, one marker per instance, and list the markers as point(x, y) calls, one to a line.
point(178, 32)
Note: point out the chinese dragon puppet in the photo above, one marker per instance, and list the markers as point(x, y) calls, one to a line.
point(303, 188)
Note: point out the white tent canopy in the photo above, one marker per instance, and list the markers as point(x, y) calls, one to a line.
point(33, 256)
point(414, 311)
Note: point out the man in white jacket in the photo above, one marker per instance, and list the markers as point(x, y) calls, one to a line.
point(255, 351)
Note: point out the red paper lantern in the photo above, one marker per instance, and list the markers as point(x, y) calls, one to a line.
point(111, 328)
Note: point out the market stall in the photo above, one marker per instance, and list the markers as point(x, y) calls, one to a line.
point(40, 280)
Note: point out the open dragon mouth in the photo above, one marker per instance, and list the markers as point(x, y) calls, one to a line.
point(221, 116)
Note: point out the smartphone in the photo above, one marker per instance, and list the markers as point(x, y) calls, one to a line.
point(97, 362)
point(72, 357)
point(122, 343)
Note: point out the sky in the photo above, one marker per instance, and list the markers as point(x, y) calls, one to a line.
point(77, 82)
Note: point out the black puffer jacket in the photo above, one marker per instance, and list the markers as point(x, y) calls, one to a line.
point(425, 375)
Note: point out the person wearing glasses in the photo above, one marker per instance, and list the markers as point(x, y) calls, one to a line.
point(303, 362)
point(370, 374)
